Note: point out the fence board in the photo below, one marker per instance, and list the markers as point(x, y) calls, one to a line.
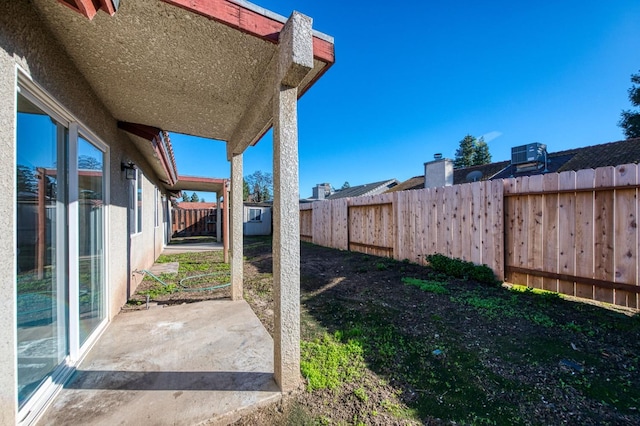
point(454, 201)
point(493, 254)
point(510, 226)
point(550, 246)
point(535, 234)
point(339, 222)
point(448, 219)
point(400, 216)
point(584, 231)
point(322, 223)
point(566, 231)
point(603, 255)
point(475, 223)
point(464, 227)
point(441, 231)
point(306, 223)
point(626, 234)
point(432, 233)
point(520, 231)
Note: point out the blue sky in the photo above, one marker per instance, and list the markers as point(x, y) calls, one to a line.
point(413, 78)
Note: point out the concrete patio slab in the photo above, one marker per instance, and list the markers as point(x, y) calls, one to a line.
point(199, 363)
point(191, 247)
point(165, 268)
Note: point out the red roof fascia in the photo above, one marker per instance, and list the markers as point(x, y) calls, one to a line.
point(162, 155)
point(153, 135)
point(250, 22)
point(89, 8)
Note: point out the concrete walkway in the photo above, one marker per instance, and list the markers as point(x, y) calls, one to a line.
point(198, 363)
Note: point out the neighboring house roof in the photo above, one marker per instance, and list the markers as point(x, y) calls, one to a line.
point(588, 157)
point(366, 189)
point(190, 205)
point(488, 171)
point(416, 182)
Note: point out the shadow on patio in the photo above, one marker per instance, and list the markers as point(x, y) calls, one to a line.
point(197, 363)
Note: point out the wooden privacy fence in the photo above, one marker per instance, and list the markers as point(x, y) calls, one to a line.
point(463, 221)
point(573, 232)
point(187, 223)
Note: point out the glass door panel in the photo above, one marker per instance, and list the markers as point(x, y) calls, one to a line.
point(90, 237)
point(41, 249)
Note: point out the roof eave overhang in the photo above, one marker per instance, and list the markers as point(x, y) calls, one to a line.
point(161, 146)
point(204, 184)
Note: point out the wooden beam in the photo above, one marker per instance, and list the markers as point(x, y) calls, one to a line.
point(583, 280)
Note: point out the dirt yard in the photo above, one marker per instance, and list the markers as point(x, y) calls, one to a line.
point(437, 350)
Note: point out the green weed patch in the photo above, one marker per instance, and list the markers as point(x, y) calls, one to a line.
point(436, 287)
point(327, 363)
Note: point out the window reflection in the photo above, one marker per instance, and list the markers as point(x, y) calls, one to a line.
point(90, 237)
point(41, 285)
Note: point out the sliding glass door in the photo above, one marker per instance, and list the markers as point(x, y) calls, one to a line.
point(61, 175)
point(41, 287)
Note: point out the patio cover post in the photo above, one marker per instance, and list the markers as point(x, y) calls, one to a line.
point(218, 218)
point(236, 206)
point(295, 60)
point(225, 222)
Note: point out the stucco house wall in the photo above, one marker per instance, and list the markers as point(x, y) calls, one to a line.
point(26, 42)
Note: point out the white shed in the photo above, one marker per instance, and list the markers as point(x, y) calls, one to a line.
point(257, 219)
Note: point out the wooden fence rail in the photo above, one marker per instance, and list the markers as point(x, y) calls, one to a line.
point(573, 232)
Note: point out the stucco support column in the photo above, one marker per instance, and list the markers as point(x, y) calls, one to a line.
point(225, 222)
point(295, 59)
point(236, 227)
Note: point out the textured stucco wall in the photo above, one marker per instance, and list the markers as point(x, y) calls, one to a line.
point(26, 41)
point(146, 246)
point(8, 361)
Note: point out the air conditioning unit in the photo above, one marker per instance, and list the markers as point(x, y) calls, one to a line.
point(530, 153)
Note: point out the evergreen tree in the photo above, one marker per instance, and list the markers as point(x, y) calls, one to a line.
point(194, 198)
point(465, 153)
point(630, 120)
point(472, 152)
point(481, 155)
point(345, 185)
point(185, 197)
